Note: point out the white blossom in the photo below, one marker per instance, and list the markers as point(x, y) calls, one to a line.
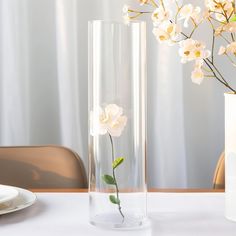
point(126, 16)
point(126, 9)
point(221, 8)
point(222, 50)
point(160, 15)
point(192, 50)
point(231, 48)
point(110, 120)
point(197, 75)
point(188, 12)
point(219, 30)
point(216, 5)
point(166, 32)
point(230, 27)
point(142, 2)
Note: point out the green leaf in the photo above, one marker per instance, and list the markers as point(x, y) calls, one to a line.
point(114, 200)
point(233, 18)
point(108, 179)
point(117, 162)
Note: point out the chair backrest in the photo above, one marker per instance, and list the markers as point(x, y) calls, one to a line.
point(41, 167)
point(219, 176)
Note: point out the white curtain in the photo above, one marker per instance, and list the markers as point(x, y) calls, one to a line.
point(43, 88)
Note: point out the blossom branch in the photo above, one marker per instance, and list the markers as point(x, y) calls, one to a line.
point(217, 70)
point(213, 45)
point(215, 75)
point(221, 79)
point(230, 59)
point(154, 3)
point(162, 4)
point(167, 30)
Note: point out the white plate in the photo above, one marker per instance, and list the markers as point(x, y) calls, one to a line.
point(24, 199)
point(7, 193)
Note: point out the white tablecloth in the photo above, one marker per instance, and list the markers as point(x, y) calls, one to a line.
point(66, 214)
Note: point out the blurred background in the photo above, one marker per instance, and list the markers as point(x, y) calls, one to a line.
point(43, 90)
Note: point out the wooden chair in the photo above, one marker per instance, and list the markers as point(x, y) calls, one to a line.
point(41, 167)
point(219, 176)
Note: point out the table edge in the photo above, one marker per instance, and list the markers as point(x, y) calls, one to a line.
point(84, 190)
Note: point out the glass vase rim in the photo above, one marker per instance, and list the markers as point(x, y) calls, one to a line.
point(119, 22)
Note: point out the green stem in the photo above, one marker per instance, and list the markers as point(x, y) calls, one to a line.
point(114, 177)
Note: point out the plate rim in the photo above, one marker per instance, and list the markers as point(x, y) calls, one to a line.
point(22, 205)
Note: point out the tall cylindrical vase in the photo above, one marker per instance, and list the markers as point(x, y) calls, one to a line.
point(117, 132)
point(230, 156)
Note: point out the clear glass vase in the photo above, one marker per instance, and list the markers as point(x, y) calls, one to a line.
point(117, 132)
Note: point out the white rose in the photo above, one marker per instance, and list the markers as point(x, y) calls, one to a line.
point(97, 122)
point(109, 120)
point(116, 127)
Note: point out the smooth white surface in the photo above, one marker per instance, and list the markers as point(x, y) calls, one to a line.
point(230, 156)
point(66, 214)
point(23, 199)
point(7, 193)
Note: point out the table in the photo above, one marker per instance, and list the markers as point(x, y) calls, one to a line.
point(66, 214)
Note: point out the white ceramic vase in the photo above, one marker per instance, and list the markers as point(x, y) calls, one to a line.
point(230, 156)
